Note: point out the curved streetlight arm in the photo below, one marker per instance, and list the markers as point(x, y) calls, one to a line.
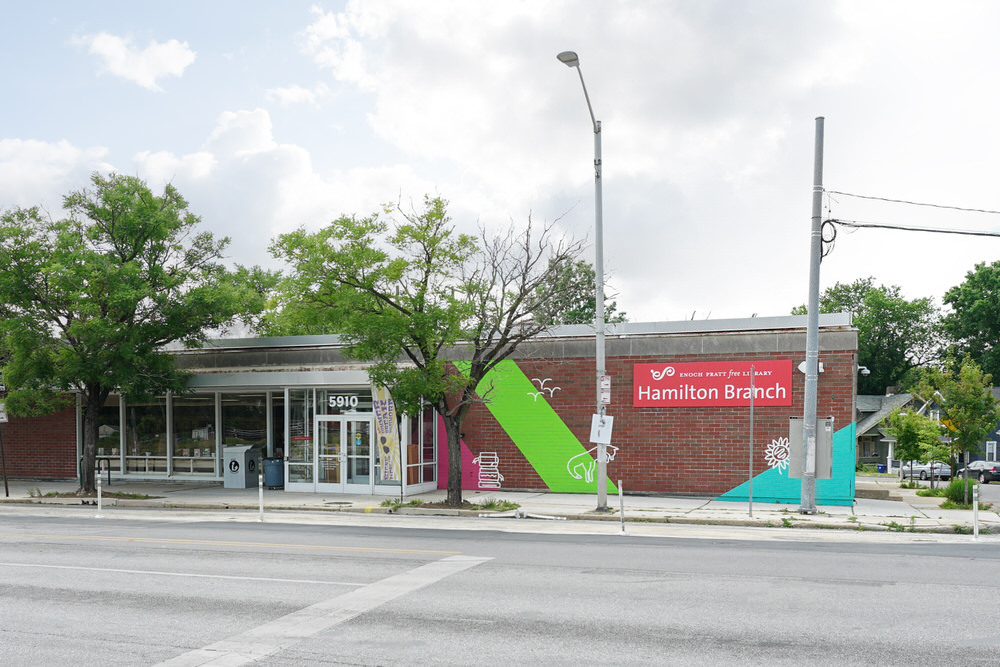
point(570, 59)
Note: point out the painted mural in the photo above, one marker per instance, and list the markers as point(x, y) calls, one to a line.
point(523, 407)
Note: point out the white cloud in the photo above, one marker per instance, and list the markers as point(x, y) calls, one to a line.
point(296, 94)
point(40, 173)
point(143, 67)
point(250, 187)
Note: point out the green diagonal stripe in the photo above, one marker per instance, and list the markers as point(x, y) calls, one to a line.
point(539, 433)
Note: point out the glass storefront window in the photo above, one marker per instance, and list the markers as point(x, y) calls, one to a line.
point(278, 423)
point(428, 452)
point(300, 418)
point(194, 435)
point(146, 437)
point(421, 453)
point(244, 419)
point(109, 436)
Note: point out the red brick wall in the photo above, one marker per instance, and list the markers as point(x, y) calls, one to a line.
point(668, 450)
point(42, 447)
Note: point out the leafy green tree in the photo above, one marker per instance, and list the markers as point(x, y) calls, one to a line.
point(895, 335)
point(974, 320)
point(575, 298)
point(918, 437)
point(431, 310)
point(968, 407)
point(91, 300)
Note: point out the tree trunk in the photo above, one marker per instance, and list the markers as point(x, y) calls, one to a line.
point(93, 401)
point(453, 430)
point(91, 422)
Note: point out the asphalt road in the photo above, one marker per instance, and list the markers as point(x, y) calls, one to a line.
point(144, 592)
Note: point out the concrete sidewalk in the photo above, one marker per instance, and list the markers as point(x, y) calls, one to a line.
point(881, 506)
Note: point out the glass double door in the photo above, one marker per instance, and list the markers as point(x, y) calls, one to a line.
point(343, 454)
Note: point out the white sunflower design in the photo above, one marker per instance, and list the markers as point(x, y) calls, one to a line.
point(776, 454)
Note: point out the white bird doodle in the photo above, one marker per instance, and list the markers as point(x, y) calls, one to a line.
point(542, 389)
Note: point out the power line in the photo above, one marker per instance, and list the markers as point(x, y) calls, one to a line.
point(914, 203)
point(908, 228)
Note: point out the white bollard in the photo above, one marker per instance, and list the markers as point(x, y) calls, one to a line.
point(621, 506)
point(260, 486)
point(975, 512)
point(99, 503)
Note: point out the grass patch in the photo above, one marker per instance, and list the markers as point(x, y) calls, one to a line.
point(396, 503)
point(952, 505)
point(938, 492)
point(121, 495)
point(498, 505)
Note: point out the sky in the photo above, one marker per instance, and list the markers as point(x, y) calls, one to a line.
point(271, 116)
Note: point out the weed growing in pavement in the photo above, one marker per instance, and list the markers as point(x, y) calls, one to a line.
point(893, 526)
point(498, 505)
point(786, 522)
point(395, 503)
point(852, 518)
point(937, 492)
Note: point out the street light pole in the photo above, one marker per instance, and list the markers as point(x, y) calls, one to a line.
point(570, 59)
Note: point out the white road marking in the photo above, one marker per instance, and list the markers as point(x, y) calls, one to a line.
point(182, 574)
point(284, 632)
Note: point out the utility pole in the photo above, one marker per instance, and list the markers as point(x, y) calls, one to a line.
point(807, 502)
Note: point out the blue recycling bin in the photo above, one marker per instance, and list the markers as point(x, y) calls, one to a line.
point(880, 467)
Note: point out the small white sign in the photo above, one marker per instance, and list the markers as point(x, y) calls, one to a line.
point(3, 413)
point(605, 382)
point(600, 429)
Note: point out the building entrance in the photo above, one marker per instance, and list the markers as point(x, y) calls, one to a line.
point(343, 453)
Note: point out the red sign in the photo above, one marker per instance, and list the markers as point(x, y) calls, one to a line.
point(711, 383)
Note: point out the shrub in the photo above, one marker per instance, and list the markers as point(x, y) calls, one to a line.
point(955, 491)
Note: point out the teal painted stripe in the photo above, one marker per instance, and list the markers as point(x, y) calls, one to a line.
point(535, 427)
point(775, 486)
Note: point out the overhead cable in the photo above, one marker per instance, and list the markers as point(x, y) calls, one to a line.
point(914, 203)
point(908, 228)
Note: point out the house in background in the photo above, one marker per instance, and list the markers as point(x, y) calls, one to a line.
point(874, 446)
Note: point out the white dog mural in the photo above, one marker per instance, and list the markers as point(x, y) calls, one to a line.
point(586, 463)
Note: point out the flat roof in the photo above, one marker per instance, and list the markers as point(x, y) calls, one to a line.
point(747, 324)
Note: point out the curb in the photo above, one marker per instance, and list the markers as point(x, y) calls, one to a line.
point(769, 522)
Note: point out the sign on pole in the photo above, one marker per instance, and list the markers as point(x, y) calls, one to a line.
point(605, 390)
point(600, 429)
point(3, 412)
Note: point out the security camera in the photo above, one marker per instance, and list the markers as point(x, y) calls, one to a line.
point(864, 371)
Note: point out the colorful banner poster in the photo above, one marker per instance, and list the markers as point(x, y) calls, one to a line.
point(386, 435)
point(711, 384)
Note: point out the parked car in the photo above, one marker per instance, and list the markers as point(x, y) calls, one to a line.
point(984, 471)
point(939, 469)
